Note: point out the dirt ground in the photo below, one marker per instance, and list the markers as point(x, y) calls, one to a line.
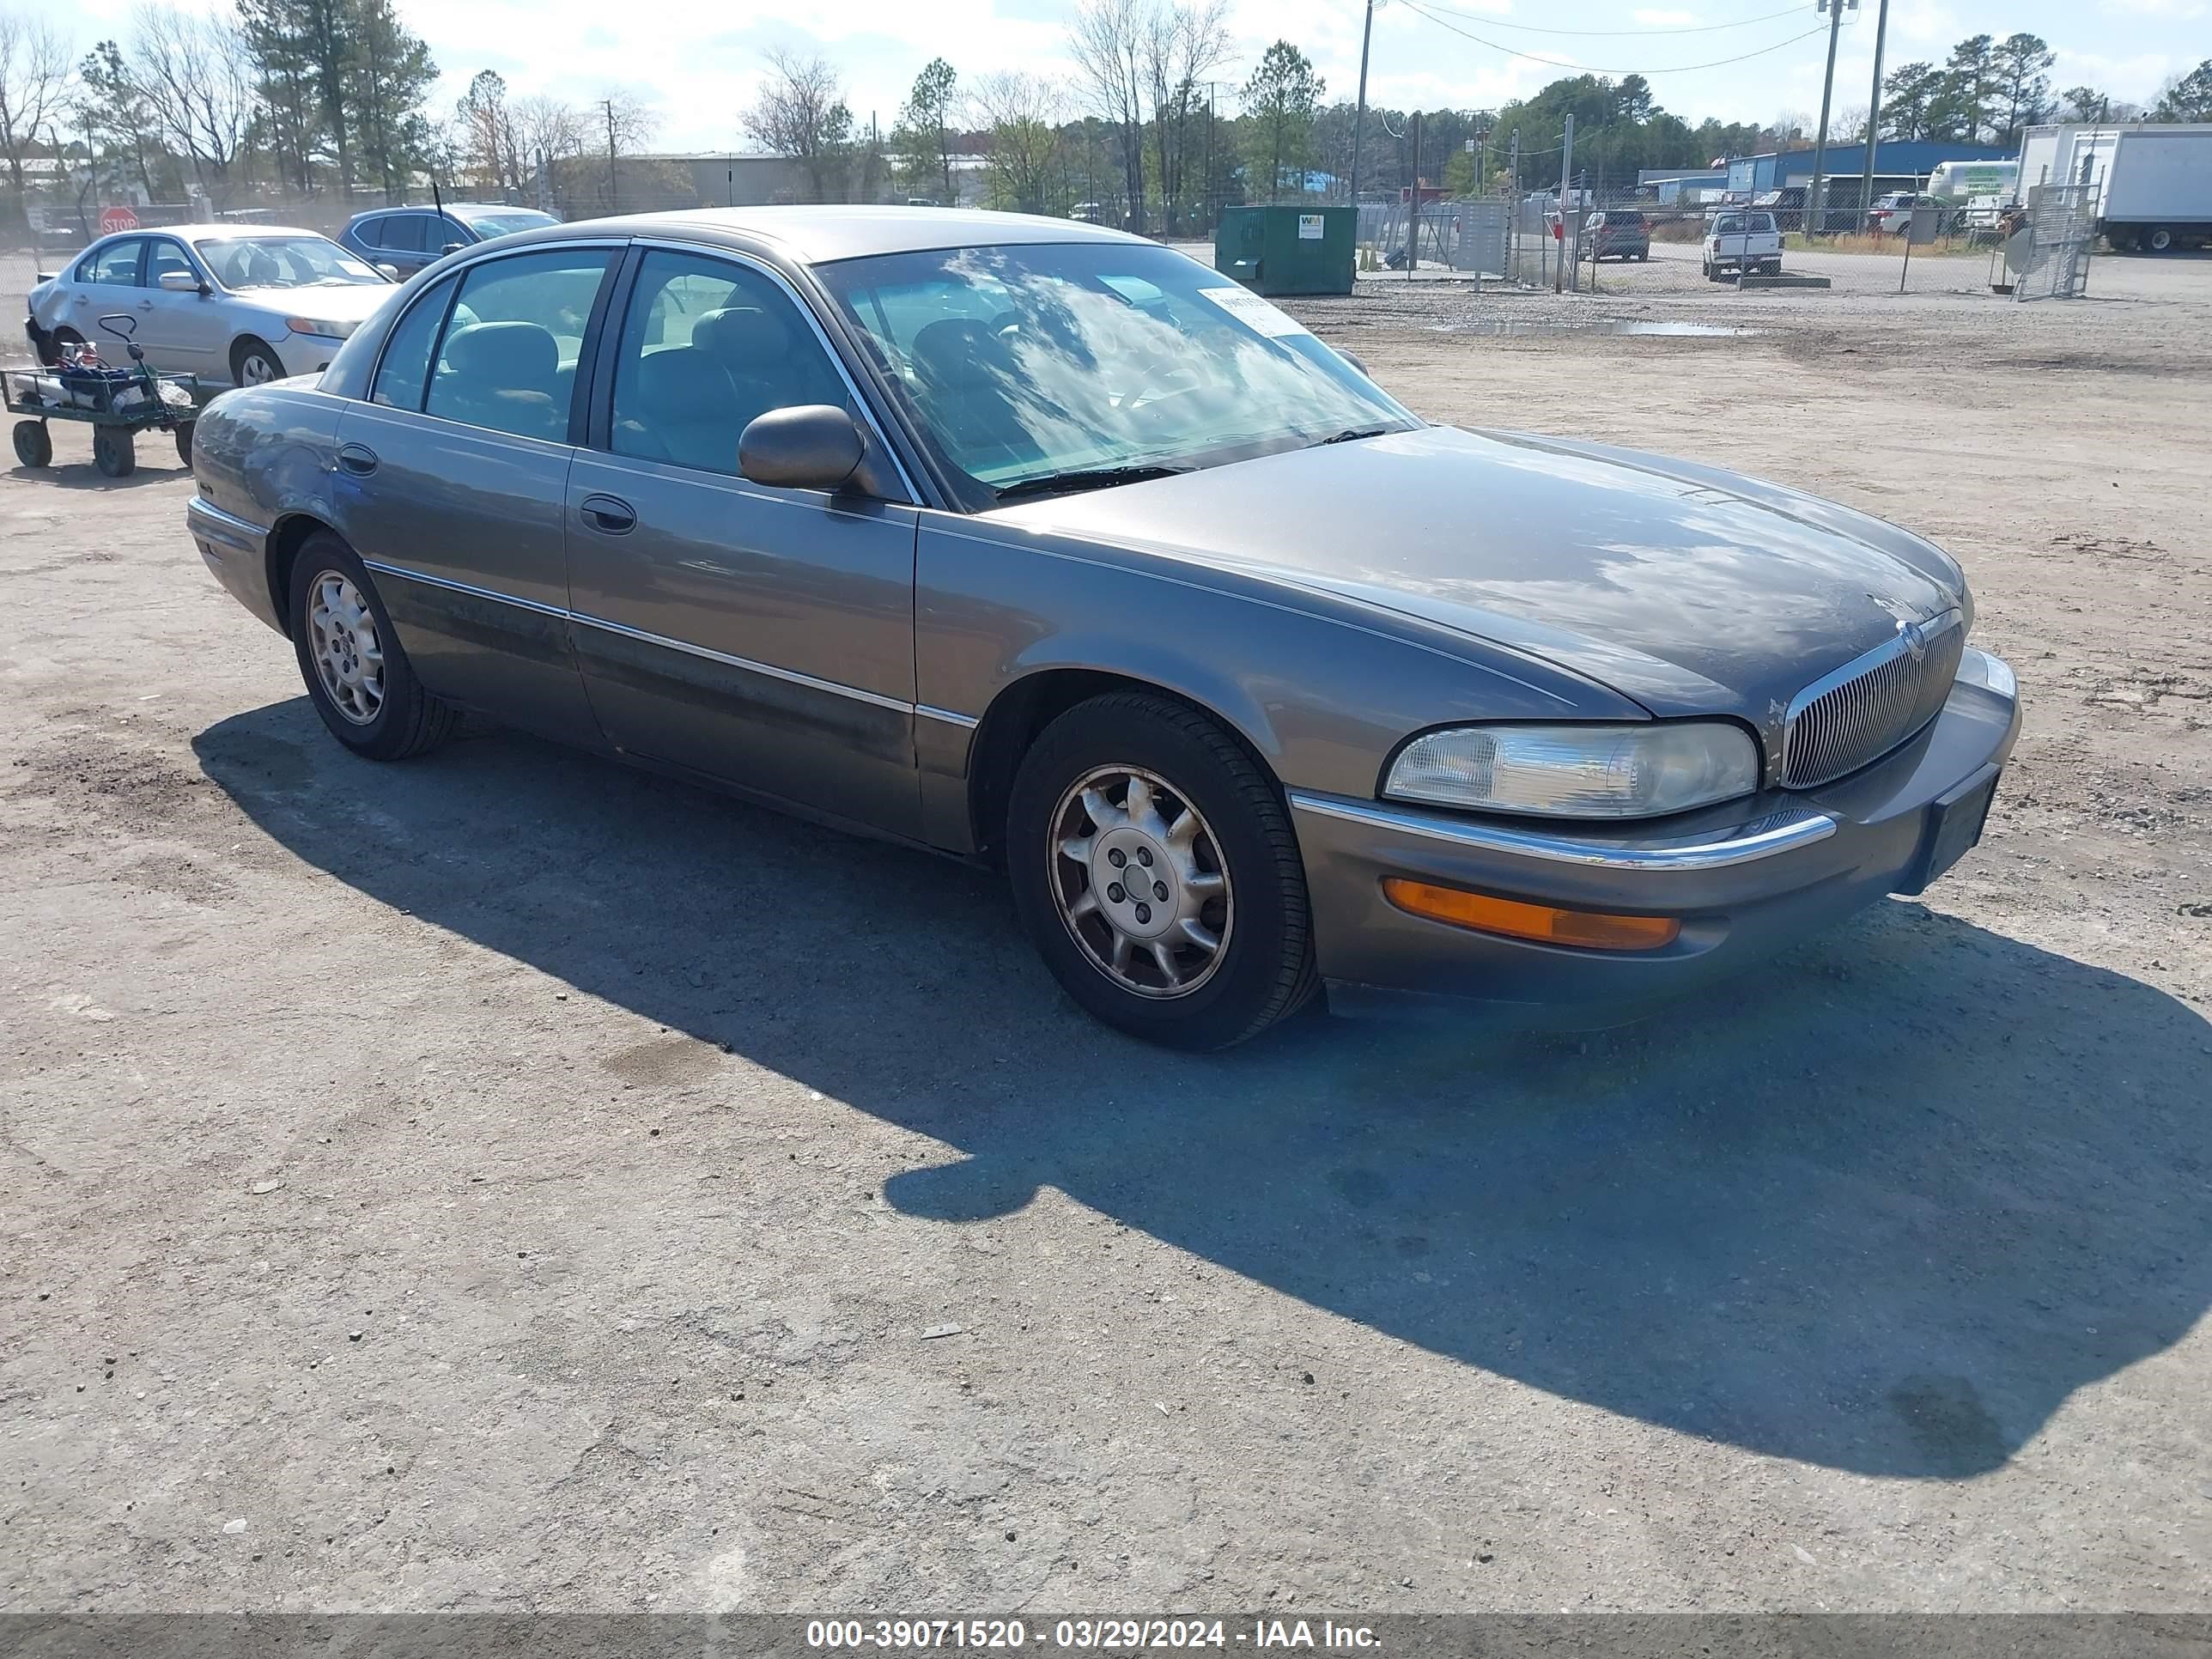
point(510, 1182)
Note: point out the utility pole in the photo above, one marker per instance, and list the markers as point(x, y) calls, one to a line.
point(1359, 114)
point(609, 104)
point(1835, 10)
point(1205, 184)
point(1874, 116)
point(1513, 213)
point(1413, 199)
point(1567, 171)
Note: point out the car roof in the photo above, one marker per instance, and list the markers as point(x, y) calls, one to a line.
point(819, 235)
point(451, 207)
point(210, 233)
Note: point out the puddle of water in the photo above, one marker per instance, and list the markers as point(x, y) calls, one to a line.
point(1617, 325)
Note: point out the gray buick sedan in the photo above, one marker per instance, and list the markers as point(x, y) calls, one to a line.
point(1037, 543)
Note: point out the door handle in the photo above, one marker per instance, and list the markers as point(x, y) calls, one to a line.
point(608, 514)
point(357, 459)
point(145, 305)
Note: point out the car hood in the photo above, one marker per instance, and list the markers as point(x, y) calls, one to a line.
point(355, 302)
point(1689, 589)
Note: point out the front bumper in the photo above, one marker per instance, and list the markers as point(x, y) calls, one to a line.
point(1748, 879)
point(306, 354)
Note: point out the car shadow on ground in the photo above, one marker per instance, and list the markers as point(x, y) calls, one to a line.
point(74, 474)
point(1882, 1209)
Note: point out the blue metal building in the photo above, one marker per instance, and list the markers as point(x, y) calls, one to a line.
point(1898, 164)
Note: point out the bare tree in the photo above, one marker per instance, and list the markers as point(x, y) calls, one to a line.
point(1107, 41)
point(549, 130)
point(1183, 44)
point(35, 72)
point(801, 112)
point(1020, 115)
point(198, 78)
point(628, 119)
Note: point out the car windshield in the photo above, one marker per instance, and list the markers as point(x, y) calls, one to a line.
point(1025, 364)
point(247, 262)
point(488, 225)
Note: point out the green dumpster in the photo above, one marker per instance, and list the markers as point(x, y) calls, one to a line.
point(1287, 250)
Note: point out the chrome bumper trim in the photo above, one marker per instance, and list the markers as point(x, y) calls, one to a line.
point(204, 518)
point(1787, 836)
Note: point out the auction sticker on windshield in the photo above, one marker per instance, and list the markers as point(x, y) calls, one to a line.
point(1255, 312)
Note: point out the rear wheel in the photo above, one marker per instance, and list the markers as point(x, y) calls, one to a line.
point(253, 364)
point(34, 445)
point(2158, 238)
point(358, 678)
point(1155, 870)
point(184, 442)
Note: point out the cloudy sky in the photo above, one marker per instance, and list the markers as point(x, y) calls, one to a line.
point(698, 63)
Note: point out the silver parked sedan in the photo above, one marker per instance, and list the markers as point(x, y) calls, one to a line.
point(234, 304)
point(1035, 543)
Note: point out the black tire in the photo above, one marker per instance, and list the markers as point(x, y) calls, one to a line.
point(248, 347)
point(65, 335)
point(34, 445)
point(410, 720)
point(184, 436)
point(1265, 968)
point(114, 452)
point(2158, 238)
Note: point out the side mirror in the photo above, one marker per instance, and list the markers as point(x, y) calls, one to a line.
point(451, 247)
point(808, 446)
point(182, 282)
point(1354, 361)
point(387, 271)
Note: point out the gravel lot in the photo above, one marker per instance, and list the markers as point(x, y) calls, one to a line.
point(510, 1181)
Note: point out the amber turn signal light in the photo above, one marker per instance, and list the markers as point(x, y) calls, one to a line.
point(1589, 930)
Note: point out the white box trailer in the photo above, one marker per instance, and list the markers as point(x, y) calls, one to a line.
point(2151, 184)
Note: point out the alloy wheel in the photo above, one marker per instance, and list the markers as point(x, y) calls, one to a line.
point(348, 656)
point(1139, 882)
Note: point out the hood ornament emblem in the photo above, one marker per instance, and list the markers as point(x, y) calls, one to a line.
point(1916, 638)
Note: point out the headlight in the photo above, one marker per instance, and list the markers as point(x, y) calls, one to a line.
point(1644, 771)
point(320, 325)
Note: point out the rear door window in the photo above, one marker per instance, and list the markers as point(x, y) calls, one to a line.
point(405, 369)
point(403, 232)
point(508, 358)
point(116, 264)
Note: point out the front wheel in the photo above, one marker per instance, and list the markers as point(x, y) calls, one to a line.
point(1155, 870)
point(253, 364)
point(2158, 238)
point(358, 678)
point(113, 451)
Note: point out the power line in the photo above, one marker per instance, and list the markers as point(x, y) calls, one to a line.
point(1591, 68)
point(1691, 28)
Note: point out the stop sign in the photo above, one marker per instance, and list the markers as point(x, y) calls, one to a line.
point(117, 218)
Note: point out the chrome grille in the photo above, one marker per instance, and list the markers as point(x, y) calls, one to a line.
point(1872, 703)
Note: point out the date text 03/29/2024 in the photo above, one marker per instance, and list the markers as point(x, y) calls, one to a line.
point(1085, 1635)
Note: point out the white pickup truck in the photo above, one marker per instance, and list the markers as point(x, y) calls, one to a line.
point(1742, 240)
